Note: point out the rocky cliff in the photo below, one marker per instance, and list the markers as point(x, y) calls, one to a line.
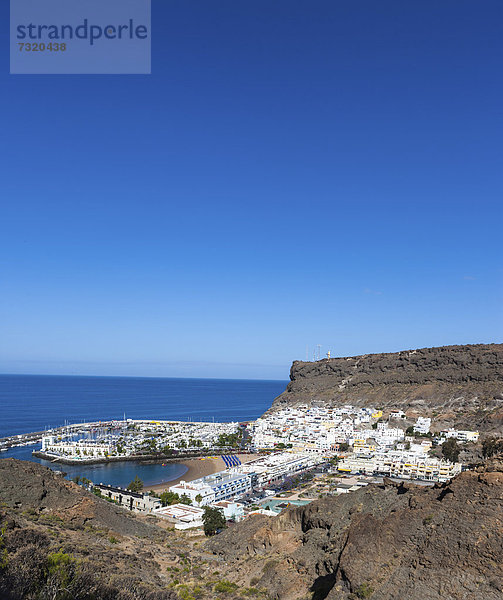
point(58, 541)
point(386, 542)
point(459, 386)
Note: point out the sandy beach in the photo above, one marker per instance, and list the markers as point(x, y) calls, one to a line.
point(200, 467)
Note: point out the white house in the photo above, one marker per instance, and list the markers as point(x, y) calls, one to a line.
point(183, 516)
point(232, 510)
point(462, 436)
point(422, 425)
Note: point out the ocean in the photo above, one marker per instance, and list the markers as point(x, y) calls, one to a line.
point(36, 402)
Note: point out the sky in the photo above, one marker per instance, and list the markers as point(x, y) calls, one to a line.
point(292, 174)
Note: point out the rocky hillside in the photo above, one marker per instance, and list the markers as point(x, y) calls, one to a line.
point(58, 541)
point(459, 386)
point(386, 543)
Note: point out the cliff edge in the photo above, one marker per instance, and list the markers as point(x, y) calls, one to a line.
point(459, 386)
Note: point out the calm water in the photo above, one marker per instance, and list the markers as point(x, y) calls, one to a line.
point(34, 402)
point(113, 473)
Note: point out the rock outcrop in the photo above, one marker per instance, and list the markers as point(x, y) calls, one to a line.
point(59, 541)
point(459, 386)
point(384, 542)
point(27, 486)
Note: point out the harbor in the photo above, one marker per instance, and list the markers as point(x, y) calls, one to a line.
point(27, 439)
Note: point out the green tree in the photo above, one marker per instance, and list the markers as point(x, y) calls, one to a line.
point(151, 447)
point(229, 439)
point(136, 485)
point(184, 499)
point(199, 498)
point(169, 498)
point(492, 446)
point(410, 430)
point(451, 450)
point(213, 520)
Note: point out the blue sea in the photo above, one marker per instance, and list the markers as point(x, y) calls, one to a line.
point(36, 402)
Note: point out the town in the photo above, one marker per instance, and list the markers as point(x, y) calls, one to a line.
point(136, 438)
point(299, 454)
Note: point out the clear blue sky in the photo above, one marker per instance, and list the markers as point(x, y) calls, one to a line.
point(292, 173)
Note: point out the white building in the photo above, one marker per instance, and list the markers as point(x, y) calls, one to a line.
point(272, 469)
point(232, 510)
point(79, 450)
point(183, 516)
point(134, 501)
point(397, 414)
point(422, 425)
point(404, 465)
point(213, 488)
point(462, 436)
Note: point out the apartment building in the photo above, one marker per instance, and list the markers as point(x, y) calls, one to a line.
point(214, 488)
point(135, 501)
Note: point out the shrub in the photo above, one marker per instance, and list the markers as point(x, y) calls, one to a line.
point(225, 587)
point(252, 591)
point(184, 593)
point(492, 446)
point(365, 590)
point(4, 559)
